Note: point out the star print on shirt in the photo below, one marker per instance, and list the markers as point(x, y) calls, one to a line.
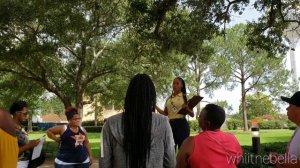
point(78, 139)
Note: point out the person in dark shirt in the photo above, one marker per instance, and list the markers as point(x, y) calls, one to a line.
point(75, 150)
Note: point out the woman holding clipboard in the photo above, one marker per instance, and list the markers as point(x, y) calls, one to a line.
point(175, 103)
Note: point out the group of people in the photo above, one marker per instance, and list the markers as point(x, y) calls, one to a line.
point(16, 148)
point(139, 137)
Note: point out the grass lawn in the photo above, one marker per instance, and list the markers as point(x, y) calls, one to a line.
point(267, 136)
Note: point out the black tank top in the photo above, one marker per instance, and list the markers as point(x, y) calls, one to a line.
point(72, 148)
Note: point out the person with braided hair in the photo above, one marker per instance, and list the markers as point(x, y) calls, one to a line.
point(176, 102)
point(138, 137)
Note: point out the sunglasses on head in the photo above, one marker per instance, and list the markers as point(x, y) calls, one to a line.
point(22, 112)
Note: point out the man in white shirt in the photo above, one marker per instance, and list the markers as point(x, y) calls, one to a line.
point(292, 157)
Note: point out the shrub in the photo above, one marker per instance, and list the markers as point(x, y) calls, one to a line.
point(233, 124)
point(194, 126)
point(93, 128)
point(34, 128)
point(291, 125)
point(274, 124)
point(91, 123)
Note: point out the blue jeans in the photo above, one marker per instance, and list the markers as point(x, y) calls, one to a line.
point(82, 165)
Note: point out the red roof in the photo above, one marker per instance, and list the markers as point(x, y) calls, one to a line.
point(54, 118)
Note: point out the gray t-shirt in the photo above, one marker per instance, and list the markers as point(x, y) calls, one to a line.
point(162, 153)
point(23, 140)
point(294, 148)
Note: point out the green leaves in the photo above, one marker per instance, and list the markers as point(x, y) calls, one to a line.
point(72, 48)
point(258, 105)
point(252, 69)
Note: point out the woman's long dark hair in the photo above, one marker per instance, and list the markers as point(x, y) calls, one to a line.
point(140, 102)
point(183, 89)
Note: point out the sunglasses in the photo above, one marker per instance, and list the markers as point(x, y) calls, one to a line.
point(22, 112)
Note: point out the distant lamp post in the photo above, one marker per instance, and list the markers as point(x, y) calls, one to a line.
point(255, 140)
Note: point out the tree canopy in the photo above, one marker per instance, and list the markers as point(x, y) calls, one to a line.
point(81, 48)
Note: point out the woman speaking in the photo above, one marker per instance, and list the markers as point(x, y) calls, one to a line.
point(176, 102)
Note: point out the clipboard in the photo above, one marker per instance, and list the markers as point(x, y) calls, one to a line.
point(191, 104)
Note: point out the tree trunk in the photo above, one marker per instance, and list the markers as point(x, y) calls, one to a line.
point(96, 112)
point(198, 105)
point(198, 89)
point(244, 108)
point(29, 122)
point(198, 94)
point(66, 102)
point(97, 109)
point(79, 106)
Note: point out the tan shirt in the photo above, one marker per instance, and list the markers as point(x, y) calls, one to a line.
point(174, 104)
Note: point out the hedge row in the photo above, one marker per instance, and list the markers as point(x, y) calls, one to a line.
point(233, 124)
point(93, 128)
point(34, 128)
point(91, 123)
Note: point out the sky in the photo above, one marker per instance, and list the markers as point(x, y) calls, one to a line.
point(233, 97)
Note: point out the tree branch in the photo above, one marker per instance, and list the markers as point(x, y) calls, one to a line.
point(66, 71)
point(20, 74)
point(279, 4)
point(249, 76)
point(96, 55)
point(96, 75)
point(236, 76)
point(210, 84)
point(27, 70)
point(165, 6)
point(223, 15)
point(70, 50)
point(253, 85)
